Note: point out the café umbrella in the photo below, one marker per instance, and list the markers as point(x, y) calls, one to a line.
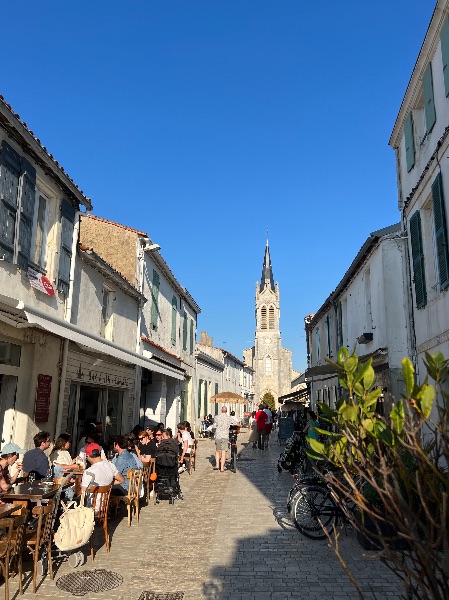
point(228, 398)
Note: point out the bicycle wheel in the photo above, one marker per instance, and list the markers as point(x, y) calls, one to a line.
point(313, 511)
point(234, 459)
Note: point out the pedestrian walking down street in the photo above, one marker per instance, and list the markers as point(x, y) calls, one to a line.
point(261, 420)
point(253, 430)
point(223, 422)
point(268, 425)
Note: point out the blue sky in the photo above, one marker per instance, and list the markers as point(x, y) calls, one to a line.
point(205, 122)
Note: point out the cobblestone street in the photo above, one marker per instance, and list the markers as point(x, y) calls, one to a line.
point(230, 538)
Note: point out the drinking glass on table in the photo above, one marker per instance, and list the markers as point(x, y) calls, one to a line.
point(31, 478)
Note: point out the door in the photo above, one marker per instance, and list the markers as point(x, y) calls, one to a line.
point(113, 417)
point(8, 386)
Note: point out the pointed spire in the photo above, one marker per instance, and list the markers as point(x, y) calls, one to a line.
point(267, 272)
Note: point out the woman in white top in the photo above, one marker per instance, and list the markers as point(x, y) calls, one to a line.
point(60, 455)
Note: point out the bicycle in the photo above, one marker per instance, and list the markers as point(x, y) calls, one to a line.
point(233, 433)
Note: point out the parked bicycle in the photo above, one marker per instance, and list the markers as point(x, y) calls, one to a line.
point(233, 433)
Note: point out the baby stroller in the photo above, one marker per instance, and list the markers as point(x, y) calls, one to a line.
point(167, 483)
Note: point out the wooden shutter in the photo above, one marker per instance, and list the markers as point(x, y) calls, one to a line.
point(409, 142)
point(191, 336)
point(445, 53)
point(155, 299)
point(200, 381)
point(174, 312)
point(418, 260)
point(27, 202)
point(65, 251)
point(10, 166)
point(429, 104)
point(184, 332)
point(439, 215)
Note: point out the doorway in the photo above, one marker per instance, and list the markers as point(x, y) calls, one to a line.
point(8, 386)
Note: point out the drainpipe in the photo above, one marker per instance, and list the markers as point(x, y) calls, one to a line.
point(68, 317)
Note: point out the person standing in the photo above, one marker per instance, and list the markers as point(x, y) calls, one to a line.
point(268, 425)
point(312, 422)
point(261, 419)
point(36, 461)
point(223, 422)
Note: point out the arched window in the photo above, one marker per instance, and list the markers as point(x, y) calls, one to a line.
point(263, 319)
point(268, 366)
point(271, 318)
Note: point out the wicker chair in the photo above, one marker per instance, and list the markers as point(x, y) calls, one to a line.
point(100, 505)
point(11, 546)
point(41, 537)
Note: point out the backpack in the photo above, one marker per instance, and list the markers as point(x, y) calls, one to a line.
point(76, 526)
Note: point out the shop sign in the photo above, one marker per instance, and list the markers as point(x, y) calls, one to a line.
point(43, 393)
point(40, 282)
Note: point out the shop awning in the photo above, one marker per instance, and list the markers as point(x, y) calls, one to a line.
point(38, 318)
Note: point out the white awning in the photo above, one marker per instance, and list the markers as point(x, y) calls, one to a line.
point(63, 329)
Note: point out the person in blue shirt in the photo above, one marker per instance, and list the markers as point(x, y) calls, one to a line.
point(123, 461)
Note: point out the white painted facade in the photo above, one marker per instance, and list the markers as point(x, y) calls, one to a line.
point(367, 311)
point(426, 135)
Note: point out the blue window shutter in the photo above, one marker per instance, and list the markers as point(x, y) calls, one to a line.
point(155, 299)
point(27, 202)
point(409, 142)
point(429, 103)
point(184, 332)
point(199, 398)
point(65, 250)
point(439, 215)
point(192, 337)
point(445, 53)
point(10, 167)
point(174, 313)
point(418, 260)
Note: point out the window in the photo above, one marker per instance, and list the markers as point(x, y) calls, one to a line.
point(268, 366)
point(184, 332)
point(339, 327)
point(155, 300)
point(65, 250)
point(368, 313)
point(409, 142)
point(174, 312)
point(317, 343)
point(192, 335)
point(107, 313)
point(10, 354)
point(429, 103)
point(263, 314)
point(17, 199)
point(329, 335)
point(271, 318)
point(445, 53)
point(216, 403)
point(418, 260)
point(440, 231)
point(40, 230)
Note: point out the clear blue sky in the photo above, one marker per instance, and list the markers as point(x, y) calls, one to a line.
point(203, 122)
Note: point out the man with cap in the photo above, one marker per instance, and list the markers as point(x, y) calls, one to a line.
point(36, 461)
point(8, 456)
point(102, 471)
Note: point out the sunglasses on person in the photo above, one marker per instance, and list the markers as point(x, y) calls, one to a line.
point(158, 434)
point(143, 437)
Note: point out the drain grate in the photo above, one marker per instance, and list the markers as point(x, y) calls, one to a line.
point(161, 596)
point(98, 580)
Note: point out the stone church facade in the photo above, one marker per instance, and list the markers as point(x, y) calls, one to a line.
point(272, 364)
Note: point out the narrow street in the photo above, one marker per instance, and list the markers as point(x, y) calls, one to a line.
point(230, 538)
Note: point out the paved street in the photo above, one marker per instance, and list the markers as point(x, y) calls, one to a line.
point(230, 538)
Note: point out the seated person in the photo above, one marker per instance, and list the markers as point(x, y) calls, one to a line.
point(91, 438)
point(101, 471)
point(8, 456)
point(124, 461)
point(36, 461)
point(60, 456)
point(146, 447)
point(168, 446)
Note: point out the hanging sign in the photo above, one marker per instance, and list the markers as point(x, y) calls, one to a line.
point(40, 282)
point(43, 393)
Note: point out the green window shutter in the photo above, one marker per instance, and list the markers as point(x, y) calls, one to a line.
point(205, 398)
point(439, 215)
point(192, 336)
point(216, 403)
point(10, 165)
point(200, 381)
point(418, 260)
point(429, 104)
point(65, 250)
point(27, 202)
point(174, 313)
point(155, 299)
point(184, 332)
point(409, 142)
point(445, 53)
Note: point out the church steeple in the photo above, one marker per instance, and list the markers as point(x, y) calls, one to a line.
point(267, 272)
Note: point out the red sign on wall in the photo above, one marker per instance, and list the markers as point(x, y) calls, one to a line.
point(43, 393)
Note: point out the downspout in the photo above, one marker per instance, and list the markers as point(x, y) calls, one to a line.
point(68, 317)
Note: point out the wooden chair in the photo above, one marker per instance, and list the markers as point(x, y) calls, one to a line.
point(100, 506)
point(41, 537)
point(148, 468)
point(131, 500)
point(191, 460)
point(11, 546)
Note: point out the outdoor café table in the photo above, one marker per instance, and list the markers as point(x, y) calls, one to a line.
point(25, 493)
